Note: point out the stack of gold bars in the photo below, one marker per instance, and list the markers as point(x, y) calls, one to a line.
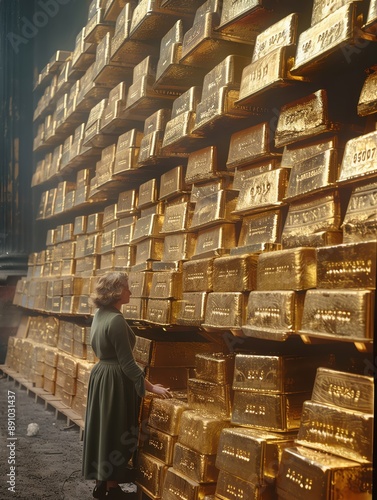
point(223, 154)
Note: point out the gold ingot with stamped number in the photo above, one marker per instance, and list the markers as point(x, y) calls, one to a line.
point(198, 275)
point(147, 227)
point(178, 485)
point(225, 310)
point(215, 208)
point(344, 390)
point(151, 475)
point(124, 257)
point(215, 367)
point(339, 314)
point(273, 412)
point(359, 159)
point(172, 183)
point(294, 154)
point(135, 309)
point(147, 193)
point(166, 285)
point(273, 315)
point(198, 467)
point(235, 273)
point(209, 396)
point(367, 104)
point(201, 431)
point(178, 247)
point(203, 165)
point(322, 475)
point(178, 218)
point(174, 377)
point(259, 232)
point(140, 283)
point(166, 414)
point(159, 445)
point(337, 430)
point(127, 202)
point(292, 269)
point(360, 220)
point(200, 190)
point(250, 454)
point(162, 311)
point(229, 485)
point(215, 241)
point(192, 309)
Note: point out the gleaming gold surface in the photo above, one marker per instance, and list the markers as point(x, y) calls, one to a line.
point(147, 193)
point(339, 314)
point(359, 159)
point(162, 311)
point(135, 309)
point(198, 467)
point(234, 273)
point(147, 227)
point(322, 475)
point(178, 247)
point(165, 415)
point(202, 165)
point(214, 209)
point(198, 275)
point(297, 153)
point(166, 285)
point(127, 202)
point(178, 218)
point(140, 283)
point(352, 265)
point(151, 474)
point(260, 230)
point(250, 454)
point(307, 221)
point(337, 430)
point(313, 175)
point(148, 250)
point(371, 21)
point(275, 374)
point(367, 104)
point(178, 485)
point(202, 189)
point(273, 315)
point(230, 486)
point(360, 220)
point(250, 145)
point(266, 190)
point(215, 367)
point(201, 431)
point(215, 241)
point(209, 396)
point(344, 390)
point(225, 310)
point(292, 269)
point(172, 183)
point(174, 377)
point(321, 40)
point(273, 412)
point(192, 308)
point(303, 119)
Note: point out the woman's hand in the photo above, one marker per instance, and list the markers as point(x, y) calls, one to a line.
point(160, 390)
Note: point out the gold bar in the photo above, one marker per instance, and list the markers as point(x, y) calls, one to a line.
point(151, 475)
point(372, 17)
point(208, 396)
point(72, 286)
point(200, 431)
point(238, 17)
point(178, 247)
point(281, 34)
point(322, 9)
point(359, 159)
point(187, 101)
point(177, 218)
point(274, 412)
point(314, 174)
point(339, 314)
point(178, 485)
point(198, 467)
point(123, 235)
point(319, 42)
point(277, 374)
point(215, 241)
point(162, 312)
point(252, 455)
point(215, 367)
point(273, 315)
point(124, 257)
point(367, 104)
point(192, 309)
point(140, 283)
point(263, 191)
point(136, 309)
point(179, 138)
point(214, 208)
point(306, 218)
point(225, 310)
point(198, 191)
point(360, 220)
point(343, 432)
point(203, 165)
point(304, 118)
point(172, 183)
point(344, 390)
point(235, 273)
point(347, 266)
point(159, 445)
point(147, 227)
point(150, 148)
point(321, 475)
point(259, 231)
point(230, 487)
point(149, 249)
point(198, 275)
point(292, 269)
point(166, 285)
point(166, 414)
point(147, 193)
point(250, 145)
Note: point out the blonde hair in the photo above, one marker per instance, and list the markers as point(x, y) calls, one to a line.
point(109, 288)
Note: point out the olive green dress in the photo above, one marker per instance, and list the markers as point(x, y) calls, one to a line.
point(115, 387)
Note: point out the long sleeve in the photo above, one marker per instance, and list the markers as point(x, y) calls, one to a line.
point(119, 336)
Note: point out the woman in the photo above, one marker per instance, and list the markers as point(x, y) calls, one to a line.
point(115, 387)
